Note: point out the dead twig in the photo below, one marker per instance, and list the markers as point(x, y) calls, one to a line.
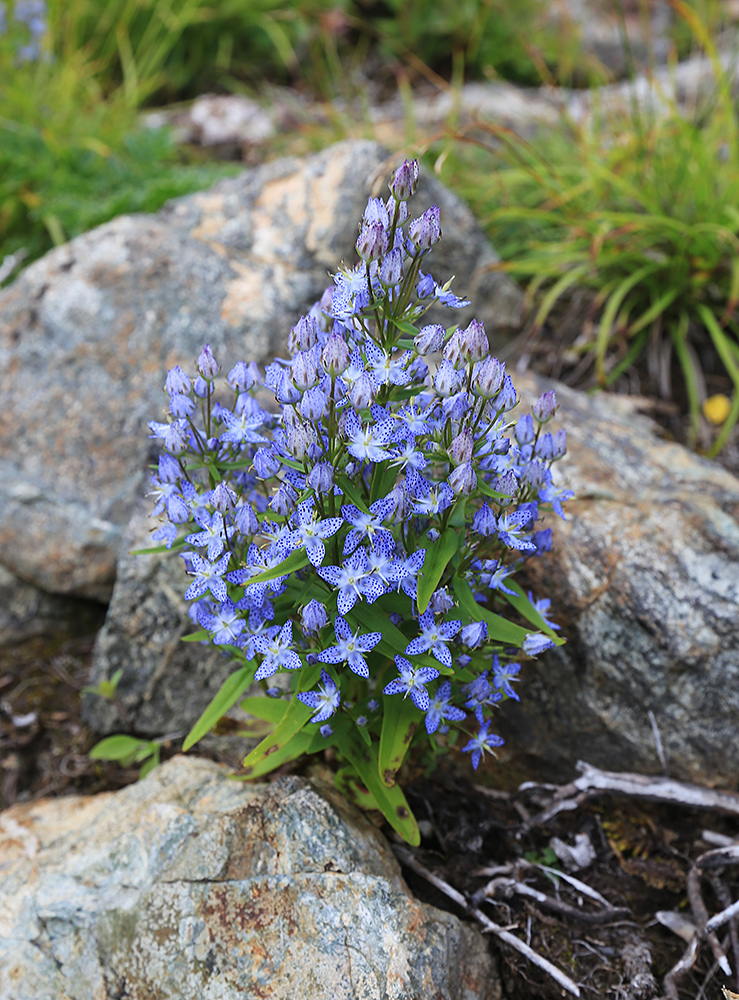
point(594, 782)
point(508, 887)
point(408, 859)
point(724, 898)
point(700, 915)
point(680, 968)
point(723, 917)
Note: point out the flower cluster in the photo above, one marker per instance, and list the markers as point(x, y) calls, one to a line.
point(355, 539)
point(31, 14)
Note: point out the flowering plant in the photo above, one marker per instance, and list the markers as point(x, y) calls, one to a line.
point(345, 550)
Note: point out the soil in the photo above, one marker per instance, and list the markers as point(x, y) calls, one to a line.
point(642, 852)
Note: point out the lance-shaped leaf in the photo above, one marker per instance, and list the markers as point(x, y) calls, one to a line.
point(400, 717)
point(438, 554)
point(524, 607)
point(153, 549)
point(499, 629)
point(295, 561)
point(295, 718)
point(391, 801)
point(226, 696)
point(122, 747)
point(268, 709)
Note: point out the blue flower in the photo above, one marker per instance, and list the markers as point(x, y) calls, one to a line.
point(348, 578)
point(542, 606)
point(480, 694)
point(350, 647)
point(368, 525)
point(325, 700)
point(482, 743)
point(314, 617)
point(433, 638)
point(440, 709)
point(207, 577)
point(412, 681)
point(310, 531)
point(277, 652)
point(504, 675)
point(535, 643)
point(225, 623)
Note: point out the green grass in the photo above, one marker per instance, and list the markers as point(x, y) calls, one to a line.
point(644, 214)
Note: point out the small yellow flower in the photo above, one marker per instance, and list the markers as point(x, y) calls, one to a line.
point(716, 408)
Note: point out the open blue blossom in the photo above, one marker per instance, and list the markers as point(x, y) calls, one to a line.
point(349, 647)
point(434, 638)
point(368, 525)
point(483, 743)
point(535, 643)
point(504, 675)
point(325, 700)
point(480, 695)
point(310, 531)
point(225, 623)
point(277, 652)
point(349, 580)
point(441, 709)
point(207, 578)
point(412, 681)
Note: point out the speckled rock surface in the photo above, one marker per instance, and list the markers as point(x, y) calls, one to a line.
point(88, 332)
point(644, 577)
point(192, 886)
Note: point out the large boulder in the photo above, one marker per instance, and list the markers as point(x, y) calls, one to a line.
point(644, 579)
point(192, 886)
point(88, 332)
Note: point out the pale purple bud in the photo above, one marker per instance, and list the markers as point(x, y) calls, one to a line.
point(546, 406)
point(314, 616)
point(207, 364)
point(455, 407)
point(453, 348)
point(303, 370)
point(300, 439)
point(446, 380)
point(475, 345)
point(246, 520)
point(376, 211)
point(285, 391)
point(474, 634)
point(535, 475)
point(201, 388)
point(441, 601)
point(507, 484)
point(425, 231)
point(508, 396)
point(223, 498)
point(335, 355)
point(181, 406)
point(241, 377)
point(177, 437)
point(524, 429)
point(313, 404)
point(403, 182)
point(425, 286)
point(560, 443)
point(460, 450)
point(372, 242)
point(418, 370)
point(402, 214)
point(487, 377)
point(429, 339)
point(362, 392)
point(484, 523)
point(285, 499)
point(303, 335)
point(177, 381)
point(391, 269)
point(535, 643)
point(266, 463)
point(321, 477)
point(464, 479)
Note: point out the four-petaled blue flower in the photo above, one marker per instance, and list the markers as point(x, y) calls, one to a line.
point(325, 700)
point(207, 577)
point(277, 651)
point(310, 531)
point(349, 647)
point(412, 682)
point(440, 709)
point(503, 675)
point(434, 638)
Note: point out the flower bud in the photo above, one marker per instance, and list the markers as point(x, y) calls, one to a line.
point(464, 479)
point(223, 498)
point(362, 393)
point(508, 397)
point(241, 377)
point(246, 520)
point(300, 439)
point(441, 601)
point(285, 499)
point(372, 242)
point(313, 404)
point(266, 463)
point(303, 335)
point(484, 523)
point(321, 477)
point(455, 407)
point(453, 348)
point(376, 211)
point(460, 450)
point(507, 484)
point(429, 339)
point(425, 286)
point(403, 182)
point(391, 269)
point(314, 617)
point(177, 437)
point(535, 643)
point(285, 391)
point(536, 475)
point(180, 405)
point(546, 406)
point(303, 370)
point(487, 377)
point(201, 388)
point(425, 231)
point(474, 634)
point(524, 429)
point(475, 345)
point(207, 364)
point(177, 381)
point(335, 355)
point(446, 380)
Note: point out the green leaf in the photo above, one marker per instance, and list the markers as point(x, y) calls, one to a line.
point(295, 561)
point(499, 628)
point(154, 549)
point(196, 636)
point(525, 608)
point(228, 694)
point(151, 763)
point(352, 493)
point(400, 719)
point(269, 709)
point(393, 641)
point(438, 554)
point(390, 801)
point(292, 749)
point(118, 747)
point(489, 491)
point(295, 718)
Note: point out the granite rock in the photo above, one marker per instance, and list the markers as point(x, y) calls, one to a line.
point(644, 577)
point(192, 886)
point(88, 332)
